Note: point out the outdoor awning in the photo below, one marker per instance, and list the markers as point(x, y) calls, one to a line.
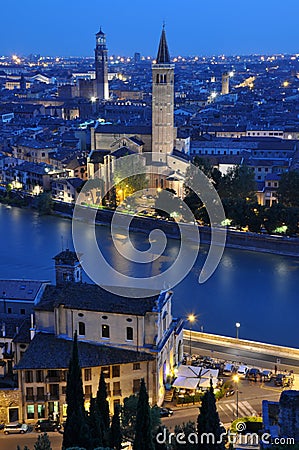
point(188, 371)
point(186, 383)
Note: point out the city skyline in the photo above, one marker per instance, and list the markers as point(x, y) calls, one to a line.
point(199, 29)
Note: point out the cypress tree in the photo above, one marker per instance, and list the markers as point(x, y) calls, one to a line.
point(208, 422)
point(76, 431)
point(102, 403)
point(115, 431)
point(143, 428)
point(96, 424)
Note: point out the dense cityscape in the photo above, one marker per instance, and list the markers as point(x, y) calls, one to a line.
point(87, 364)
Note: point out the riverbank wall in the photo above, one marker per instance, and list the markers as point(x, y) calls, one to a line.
point(234, 239)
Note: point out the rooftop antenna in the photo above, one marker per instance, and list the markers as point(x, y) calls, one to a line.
point(62, 244)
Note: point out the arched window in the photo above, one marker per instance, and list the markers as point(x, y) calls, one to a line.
point(130, 334)
point(165, 79)
point(157, 79)
point(105, 331)
point(81, 331)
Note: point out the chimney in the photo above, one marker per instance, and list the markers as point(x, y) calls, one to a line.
point(32, 328)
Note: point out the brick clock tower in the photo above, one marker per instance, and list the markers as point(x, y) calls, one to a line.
point(162, 103)
point(101, 66)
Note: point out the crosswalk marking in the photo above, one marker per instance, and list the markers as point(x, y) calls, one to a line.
point(245, 409)
point(252, 411)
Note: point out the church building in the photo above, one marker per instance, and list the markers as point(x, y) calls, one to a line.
point(127, 338)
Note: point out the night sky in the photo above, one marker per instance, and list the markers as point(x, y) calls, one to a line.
point(194, 27)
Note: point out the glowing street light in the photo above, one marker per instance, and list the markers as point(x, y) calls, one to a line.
point(236, 380)
point(191, 320)
point(237, 329)
point(93, 99)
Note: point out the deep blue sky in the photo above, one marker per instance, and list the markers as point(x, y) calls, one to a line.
point(194, 27)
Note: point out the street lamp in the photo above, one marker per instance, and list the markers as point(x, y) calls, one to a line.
point(236, 379)
point(191, 319)
point(237, 329)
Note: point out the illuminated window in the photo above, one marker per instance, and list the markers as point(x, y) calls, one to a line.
point(106, 331)
point(30, 411)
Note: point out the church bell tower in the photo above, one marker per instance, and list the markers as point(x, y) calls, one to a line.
point(101, 66)
point(162, 103)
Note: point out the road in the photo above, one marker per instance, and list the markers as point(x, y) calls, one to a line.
point(255, 358)
point(250, 399)
point(11, 441)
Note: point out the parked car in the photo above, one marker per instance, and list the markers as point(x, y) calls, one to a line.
point(166, 412)
point(284, 380)
point(267, 375)
point(44, 425)
point(242, 371)
point(253, 374)
point(228, 370)
point(229, 393)
point(15, 428)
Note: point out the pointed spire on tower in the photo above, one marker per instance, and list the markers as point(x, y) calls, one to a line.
point(163, 52)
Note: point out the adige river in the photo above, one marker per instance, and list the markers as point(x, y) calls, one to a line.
point(261, 291)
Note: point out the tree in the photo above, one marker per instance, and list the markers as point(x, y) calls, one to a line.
point(188, 430)
point(102, 403)
point(76, 430)
point(208, 169)
point(288, 190)
point(99, 414)
point(143, 428)
point(43, 442)
point(124, 180)
point(115, 431)
point(238, 183)
point(44, 203)
point(95, 186)
point(208, 424)
point(129, 412)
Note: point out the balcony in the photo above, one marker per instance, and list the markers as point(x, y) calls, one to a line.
point(30, 398)
point(55, 379)
point(116, 392)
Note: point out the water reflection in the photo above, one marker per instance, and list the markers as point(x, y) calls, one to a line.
point(257, 290)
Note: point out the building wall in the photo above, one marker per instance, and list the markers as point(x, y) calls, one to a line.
point(107, 141)
point(10, 399)
point(119, 386)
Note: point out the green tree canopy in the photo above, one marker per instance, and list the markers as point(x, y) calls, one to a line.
point(238, 183)
point(43, 442)
point(288, 190)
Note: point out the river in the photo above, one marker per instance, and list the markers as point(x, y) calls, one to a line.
point(260, 291)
